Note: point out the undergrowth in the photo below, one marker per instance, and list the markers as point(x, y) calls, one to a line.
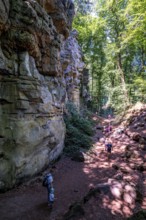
point(79, 129)
point(141, 215)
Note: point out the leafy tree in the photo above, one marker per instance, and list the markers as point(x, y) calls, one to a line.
point(113, 40)
point(83, 6)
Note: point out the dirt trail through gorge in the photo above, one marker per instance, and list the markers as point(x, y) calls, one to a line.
point(98, 188)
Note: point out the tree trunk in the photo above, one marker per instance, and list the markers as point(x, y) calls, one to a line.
point(122, 78)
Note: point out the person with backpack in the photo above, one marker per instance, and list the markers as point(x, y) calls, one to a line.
point(48, 183)
point(108, 147)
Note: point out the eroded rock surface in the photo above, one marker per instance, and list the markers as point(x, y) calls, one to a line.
point(71, 57)
point(32, 85)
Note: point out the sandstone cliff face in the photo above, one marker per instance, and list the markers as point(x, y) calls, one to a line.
point(71, 58)
point(33, 88)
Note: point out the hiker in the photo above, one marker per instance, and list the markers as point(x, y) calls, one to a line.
point(48, 182)
point(107, 129)
point(120, 130)
point(108, 147)
point(110, 128)
point(109, 120)
point(102, 140)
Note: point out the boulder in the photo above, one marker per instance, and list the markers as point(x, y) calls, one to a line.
point(78, 156)
point(75, 211)
point(144, 147)
point(115, 166)
point(136, 137)
point(142, 141)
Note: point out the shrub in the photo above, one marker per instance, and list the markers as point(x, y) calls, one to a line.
point(79, 130)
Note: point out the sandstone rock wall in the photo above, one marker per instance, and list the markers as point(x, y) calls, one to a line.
point(32, 84)
point(71, 59)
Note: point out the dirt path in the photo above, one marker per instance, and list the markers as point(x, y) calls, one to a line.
point(72, 181)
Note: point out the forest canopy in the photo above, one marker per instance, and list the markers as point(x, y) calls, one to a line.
point(112, 34)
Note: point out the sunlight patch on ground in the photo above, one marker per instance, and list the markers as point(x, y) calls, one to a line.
point(91, 185)
point(123, 202)
point(87, 171)
point(116, 207)
point(105, 165)
point(126, 211)
point(94, 118)
point(144, 204)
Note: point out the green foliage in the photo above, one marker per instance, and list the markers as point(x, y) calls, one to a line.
point(86, 114)
point(117, 100)
point(78, 130)
point(135, 13)
point(113, 41)
point(139, 88)
point(141, 215)
point(83, 6)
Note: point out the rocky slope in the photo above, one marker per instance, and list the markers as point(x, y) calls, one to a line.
point(40, 69)
point(120, 190)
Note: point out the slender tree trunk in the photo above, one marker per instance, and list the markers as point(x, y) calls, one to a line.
point(142, 58)
point(122, 78)
point(92, 81)
point(99, 93)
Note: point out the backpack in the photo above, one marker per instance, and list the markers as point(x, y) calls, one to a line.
point(45, 182)
point(109, 146)
point(48, 179)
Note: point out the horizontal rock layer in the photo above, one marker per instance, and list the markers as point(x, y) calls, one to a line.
point(36, 63)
